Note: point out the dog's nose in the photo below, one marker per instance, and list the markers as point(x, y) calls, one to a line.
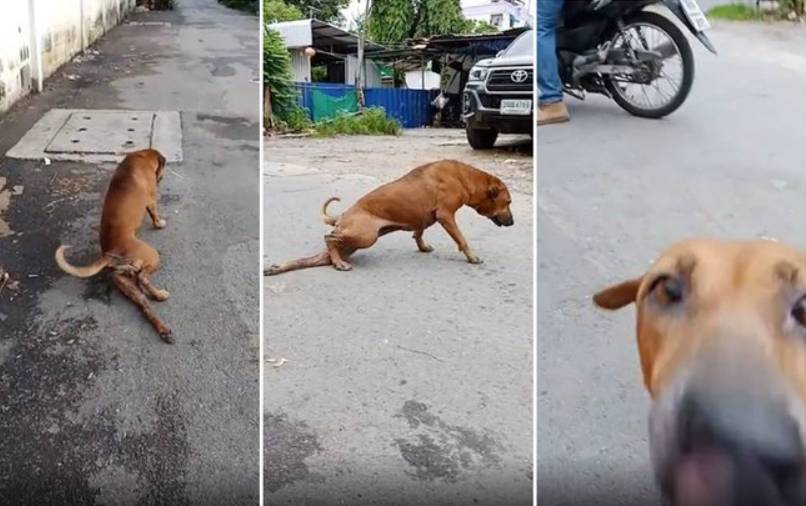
point(748, 424)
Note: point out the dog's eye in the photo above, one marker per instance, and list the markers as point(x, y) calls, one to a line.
point(667, 290)
point(798, 311)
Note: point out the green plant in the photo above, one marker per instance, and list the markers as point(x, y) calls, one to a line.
point(277, 77)
point(394, 21)
point(275, 11)
point(244, 5)
point(373, 121)
point(735, 12)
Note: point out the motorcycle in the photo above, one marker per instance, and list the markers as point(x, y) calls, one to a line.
point(637, 57)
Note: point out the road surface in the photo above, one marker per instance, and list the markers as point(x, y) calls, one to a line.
point(409, 379)
point(614, 190)
point(94, 408)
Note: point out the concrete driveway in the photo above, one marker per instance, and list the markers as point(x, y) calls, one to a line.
point(409, 379)
point(94, 407)
point(613, 191)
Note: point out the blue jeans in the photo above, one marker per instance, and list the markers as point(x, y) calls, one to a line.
point(549, 84)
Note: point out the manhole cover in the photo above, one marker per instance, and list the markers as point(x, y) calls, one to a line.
point(113, 133)
point(97, 136)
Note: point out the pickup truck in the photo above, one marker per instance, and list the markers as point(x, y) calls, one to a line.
point(498, 96)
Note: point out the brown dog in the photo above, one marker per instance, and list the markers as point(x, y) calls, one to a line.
point(722, 340)
point(426, 195)
point(132, 192)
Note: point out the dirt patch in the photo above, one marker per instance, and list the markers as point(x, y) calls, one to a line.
point(388, 157)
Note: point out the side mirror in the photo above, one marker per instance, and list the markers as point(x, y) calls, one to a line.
point(499, 53)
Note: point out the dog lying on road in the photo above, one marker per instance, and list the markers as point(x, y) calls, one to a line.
point(426, 195)
point(132, 192)
point(722, 341)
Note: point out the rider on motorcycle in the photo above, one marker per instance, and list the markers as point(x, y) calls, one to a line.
point(551, 108)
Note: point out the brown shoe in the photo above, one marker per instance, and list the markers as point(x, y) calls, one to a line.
point(556, 112)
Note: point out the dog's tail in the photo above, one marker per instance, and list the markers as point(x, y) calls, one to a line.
point(329, 220)
point(80, 271)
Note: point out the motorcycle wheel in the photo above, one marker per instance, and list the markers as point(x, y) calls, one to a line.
point(666, 26)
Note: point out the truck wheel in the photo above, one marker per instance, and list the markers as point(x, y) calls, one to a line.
point(481, 138)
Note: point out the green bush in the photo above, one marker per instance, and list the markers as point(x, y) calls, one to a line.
point(277, 75)
point(245, 5)
point(372, 121)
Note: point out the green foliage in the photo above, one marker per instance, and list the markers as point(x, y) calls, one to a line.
point(372, 121)
point(394, 21)
point(275, 11)
point(323, 10)
point(391, 21)
point(277, 74)
point(481, 27)
point(319, 74)
point(796, 6)
point(296, 119)
point(734, 12)
point(244, 5)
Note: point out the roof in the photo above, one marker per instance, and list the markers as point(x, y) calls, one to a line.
point(322, 36)
point(475, 44)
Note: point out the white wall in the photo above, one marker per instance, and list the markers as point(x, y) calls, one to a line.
point(48, 33)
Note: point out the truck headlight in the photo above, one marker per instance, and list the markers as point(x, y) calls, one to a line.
point(477, 74)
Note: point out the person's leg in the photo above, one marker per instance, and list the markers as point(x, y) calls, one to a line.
point(548, 79)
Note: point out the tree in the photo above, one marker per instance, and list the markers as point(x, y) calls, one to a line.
point(394, 21)
point(277, 11)
point(277, 79)
point(323, 10)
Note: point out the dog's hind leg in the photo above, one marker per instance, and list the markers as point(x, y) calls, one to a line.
point(133, 293)
point(421, 244)
point(319, 260)
point(155, 293)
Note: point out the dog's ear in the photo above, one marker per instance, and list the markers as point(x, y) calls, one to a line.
point(619, 295)
point(493, 192)
point(162, 162)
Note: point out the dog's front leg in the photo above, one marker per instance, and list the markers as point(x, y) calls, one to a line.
point(155, 218)
point(448, 222)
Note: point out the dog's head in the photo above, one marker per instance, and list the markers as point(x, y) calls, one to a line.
point(495, 203)
point(156, 161)
point(722, 341)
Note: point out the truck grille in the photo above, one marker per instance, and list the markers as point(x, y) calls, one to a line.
point(502, 80)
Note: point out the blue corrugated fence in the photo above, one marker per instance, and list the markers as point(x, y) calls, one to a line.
point(412, 108)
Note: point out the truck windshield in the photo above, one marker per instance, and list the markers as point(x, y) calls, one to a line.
point(522, 46)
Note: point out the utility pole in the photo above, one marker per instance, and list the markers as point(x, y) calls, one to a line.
point(360, 75)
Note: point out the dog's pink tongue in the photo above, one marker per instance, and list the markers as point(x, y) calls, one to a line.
point(703, 479)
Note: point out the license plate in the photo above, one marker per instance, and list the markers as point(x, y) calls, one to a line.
point(516, 107)
point(695, 15)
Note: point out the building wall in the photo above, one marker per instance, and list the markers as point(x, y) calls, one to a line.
point(64, 28)
point(512, 13)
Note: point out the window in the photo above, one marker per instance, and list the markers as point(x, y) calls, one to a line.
point(496, 20)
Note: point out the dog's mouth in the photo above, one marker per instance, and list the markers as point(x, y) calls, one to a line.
point(506, 222)
point(705, 470)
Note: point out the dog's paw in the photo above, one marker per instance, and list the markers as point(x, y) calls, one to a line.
point(475, 260)
point(161, 295)
point(427, 248)
point(160, 224)
point(167, 335)
point(343, 266)
point(271, 270)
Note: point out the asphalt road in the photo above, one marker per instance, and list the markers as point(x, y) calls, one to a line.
point(94, 408)
point(408, 379)
point(613, 191)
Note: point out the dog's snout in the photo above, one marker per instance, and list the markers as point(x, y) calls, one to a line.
point(747, 424)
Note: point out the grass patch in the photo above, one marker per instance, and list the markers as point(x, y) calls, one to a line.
point(251, 6)
point(372, 121)
point(735, 12)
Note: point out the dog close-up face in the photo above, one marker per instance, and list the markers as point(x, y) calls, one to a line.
point(721, 330)
point(496, 206)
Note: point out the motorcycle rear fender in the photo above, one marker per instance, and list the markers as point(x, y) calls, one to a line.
point(677, 10)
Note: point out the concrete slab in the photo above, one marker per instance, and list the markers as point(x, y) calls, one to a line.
point(99, 136)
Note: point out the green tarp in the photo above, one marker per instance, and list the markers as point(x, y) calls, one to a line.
point(326, 106)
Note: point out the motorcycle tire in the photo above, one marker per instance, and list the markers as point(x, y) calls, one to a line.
point(670, 28)
point(481, 138)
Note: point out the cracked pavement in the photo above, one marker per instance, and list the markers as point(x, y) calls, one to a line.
point(94, 408)
point(408, 379)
